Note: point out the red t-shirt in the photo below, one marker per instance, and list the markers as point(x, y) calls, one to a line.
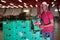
point(46, 17)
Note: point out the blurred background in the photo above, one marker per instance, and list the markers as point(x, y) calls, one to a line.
point(13, 8)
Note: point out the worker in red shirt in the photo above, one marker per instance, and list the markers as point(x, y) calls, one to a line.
point(48, 21)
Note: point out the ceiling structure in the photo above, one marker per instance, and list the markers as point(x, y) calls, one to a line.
point(26, 3)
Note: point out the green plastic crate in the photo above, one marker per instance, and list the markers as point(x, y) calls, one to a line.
point(36, 27)
point(48, 38)
point(28, 23)
point(18, 32)
point(8, 24)
point(9, 36)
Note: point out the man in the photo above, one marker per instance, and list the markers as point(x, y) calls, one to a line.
point(48, 21)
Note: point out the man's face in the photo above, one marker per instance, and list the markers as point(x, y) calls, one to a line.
point(44, 7)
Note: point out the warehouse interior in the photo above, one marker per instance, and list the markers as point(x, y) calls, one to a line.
point(16, 10)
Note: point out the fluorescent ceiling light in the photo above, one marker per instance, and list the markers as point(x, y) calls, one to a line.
point(31, 6)
point(11, 4)
point(24, 3)
point(20, 6)
point(36, 0)
point(54, 0)
point(56, 10)
point(3, 6)
point(3, 1)
point(36, 5)
point(53, 5)
point(20, 0)
point(25, 10)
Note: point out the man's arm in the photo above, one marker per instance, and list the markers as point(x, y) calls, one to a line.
point(51, 24)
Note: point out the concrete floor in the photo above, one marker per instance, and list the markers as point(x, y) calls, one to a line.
point(56, 33)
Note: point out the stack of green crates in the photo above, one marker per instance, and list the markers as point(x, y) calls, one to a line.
point(9, 30)
point(47, 36)
point(21, 30)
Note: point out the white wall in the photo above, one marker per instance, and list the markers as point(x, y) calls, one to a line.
point(53, 11)
point(13, 11)
point(33, 11)
point(1, 11)
point(27, 13)
point(8, 12)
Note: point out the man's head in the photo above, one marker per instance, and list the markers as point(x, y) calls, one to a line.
point(44, 6)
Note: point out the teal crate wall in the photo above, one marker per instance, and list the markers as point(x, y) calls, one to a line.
point(20, 30)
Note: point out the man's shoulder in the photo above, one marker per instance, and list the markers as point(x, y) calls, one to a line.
point(49, 12)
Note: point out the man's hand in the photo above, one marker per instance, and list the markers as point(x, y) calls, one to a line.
point(37, 23)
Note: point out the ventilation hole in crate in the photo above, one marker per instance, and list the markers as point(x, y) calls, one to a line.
point(23, 27)
point(8, 29)
point(16, 27)
point(8, 35)
point(16, 34)
point(7, 22)
point(35, 37)
point(24, 32)
point(48, 36)
point(16, 39)
point(40, 36)
point(22, 37)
